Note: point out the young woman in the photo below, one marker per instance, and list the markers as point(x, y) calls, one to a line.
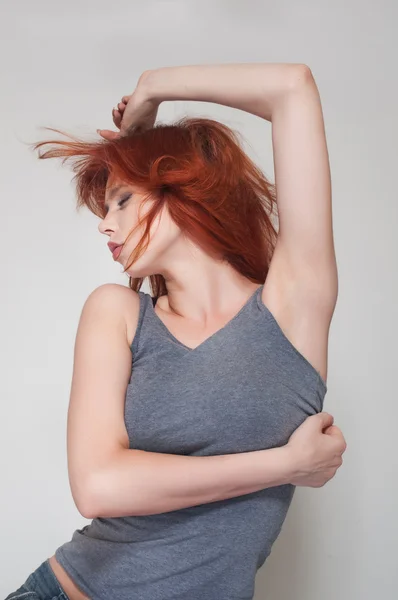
point(193, 419)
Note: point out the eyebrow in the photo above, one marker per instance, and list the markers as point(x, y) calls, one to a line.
point(113, 193)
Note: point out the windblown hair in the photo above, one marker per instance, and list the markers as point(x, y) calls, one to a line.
point(214, 192)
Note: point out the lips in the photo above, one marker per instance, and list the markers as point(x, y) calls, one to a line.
point(115, 249)
point(112, 246)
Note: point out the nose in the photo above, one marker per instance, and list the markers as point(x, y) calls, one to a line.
point(104, 227)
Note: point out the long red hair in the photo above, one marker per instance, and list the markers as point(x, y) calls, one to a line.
point(214, 192)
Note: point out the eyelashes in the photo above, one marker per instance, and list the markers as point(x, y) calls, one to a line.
point(121, 203)
point(124, 200)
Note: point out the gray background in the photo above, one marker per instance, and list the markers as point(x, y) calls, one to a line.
point(65, 65)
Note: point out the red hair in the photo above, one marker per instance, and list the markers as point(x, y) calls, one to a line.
point(214, 192)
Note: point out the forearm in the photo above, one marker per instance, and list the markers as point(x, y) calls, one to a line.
point(253, 87)
point(145, 483)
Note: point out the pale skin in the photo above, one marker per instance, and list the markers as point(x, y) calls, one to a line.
point(106, 477)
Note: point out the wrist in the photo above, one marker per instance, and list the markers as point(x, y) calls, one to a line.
point(147, 86)
point(289, 463)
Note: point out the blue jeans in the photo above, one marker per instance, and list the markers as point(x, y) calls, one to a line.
point(40, 585)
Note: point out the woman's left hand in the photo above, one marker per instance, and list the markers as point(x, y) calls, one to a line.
point(134, 113)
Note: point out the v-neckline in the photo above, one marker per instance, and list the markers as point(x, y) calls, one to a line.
point(213, 335)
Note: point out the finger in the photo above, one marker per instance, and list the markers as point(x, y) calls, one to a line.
point(331, 430)
point(121, 106)
point(336, 433)
point(343, 443)
point(107, 134)
point(117, 117)
point(326, 419)
point(125, 99)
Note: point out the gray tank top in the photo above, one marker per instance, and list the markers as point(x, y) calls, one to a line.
point(244, 388)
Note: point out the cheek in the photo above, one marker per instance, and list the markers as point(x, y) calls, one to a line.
point(136, 235)
point(128, 221)
point(163, 230)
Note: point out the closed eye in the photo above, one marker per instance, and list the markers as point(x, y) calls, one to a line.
point(124, 200)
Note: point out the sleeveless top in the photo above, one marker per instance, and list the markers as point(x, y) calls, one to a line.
point(244, 388)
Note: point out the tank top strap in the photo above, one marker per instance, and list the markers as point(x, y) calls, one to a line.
point(143, 301)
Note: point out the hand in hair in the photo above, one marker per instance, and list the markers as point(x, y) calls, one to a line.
point(134, 113)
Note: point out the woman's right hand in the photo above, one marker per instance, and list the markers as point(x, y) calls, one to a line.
point(316, 448)
point(135, 112)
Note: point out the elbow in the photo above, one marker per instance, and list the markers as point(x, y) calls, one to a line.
point(104, 491)
point(301, 75)
point(85, 500)
point(98, 498)
point(87, 510)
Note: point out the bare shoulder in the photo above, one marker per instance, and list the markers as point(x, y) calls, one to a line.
point(303, 306)
point(119, 299)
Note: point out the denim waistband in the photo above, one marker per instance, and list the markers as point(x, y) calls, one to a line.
point(44, 583)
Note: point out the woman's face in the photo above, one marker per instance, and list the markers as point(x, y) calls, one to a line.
point(122, 205)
